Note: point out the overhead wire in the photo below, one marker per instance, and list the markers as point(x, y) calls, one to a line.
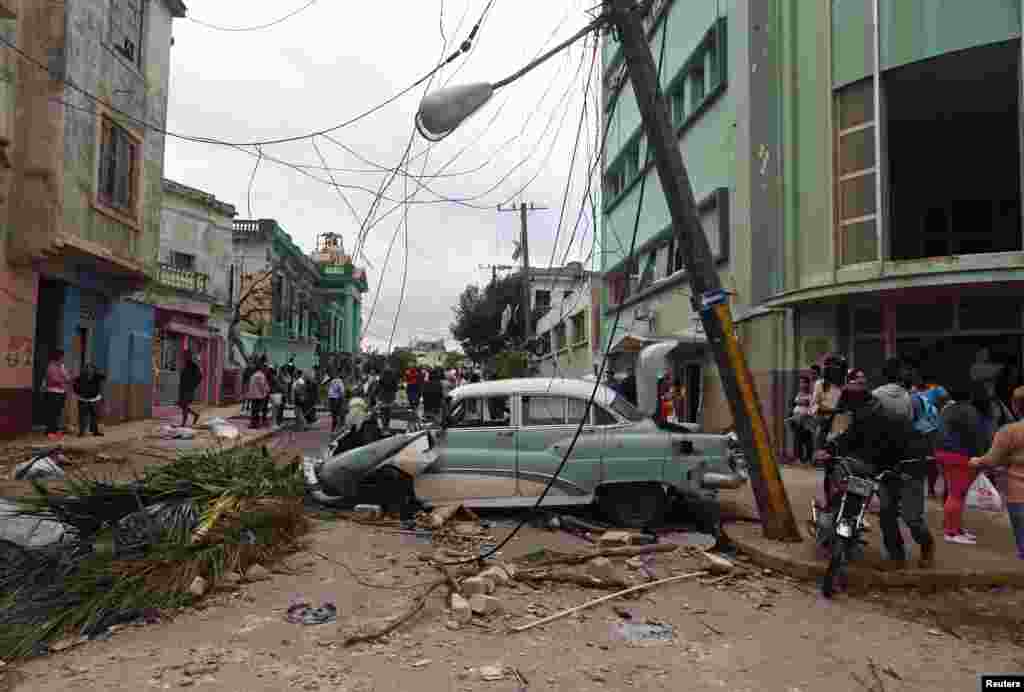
point(597, 382)
point(260, 27)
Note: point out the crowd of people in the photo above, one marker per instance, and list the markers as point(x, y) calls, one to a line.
point(907, 417)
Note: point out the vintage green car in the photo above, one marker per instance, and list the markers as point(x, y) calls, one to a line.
point(502, 442)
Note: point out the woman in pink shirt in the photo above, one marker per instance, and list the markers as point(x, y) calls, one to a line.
point(1008, 450)
point(56, 393)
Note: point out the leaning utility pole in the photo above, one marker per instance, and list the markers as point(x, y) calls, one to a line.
point(524, 250)
point(708, 295)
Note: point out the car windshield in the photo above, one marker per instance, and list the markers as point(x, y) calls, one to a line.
point(626, 409)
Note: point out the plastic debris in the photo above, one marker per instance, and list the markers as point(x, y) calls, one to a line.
point(306, 614)
point(41, 468)
point(638, 634)
point(26, 531)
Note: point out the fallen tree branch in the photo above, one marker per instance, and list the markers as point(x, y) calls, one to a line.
point(609, 597)
point(569, 578)
point(625, 551)
point(399, 620)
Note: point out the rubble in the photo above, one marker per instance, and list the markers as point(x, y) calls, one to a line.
point(462, 611)
point(198, 587)
point(615, 539)
point(602, 569)
point(472, 586)
point(368, 512)
point(231, 578)
point(40, 468)
point(498, 575)
point(257, 572)
point(485, 605)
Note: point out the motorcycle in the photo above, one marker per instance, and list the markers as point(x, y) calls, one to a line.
point(853, 489)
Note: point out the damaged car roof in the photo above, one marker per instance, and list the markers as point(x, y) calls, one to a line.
point(536, 385)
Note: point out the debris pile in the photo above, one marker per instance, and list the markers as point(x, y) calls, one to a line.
point(160, 542)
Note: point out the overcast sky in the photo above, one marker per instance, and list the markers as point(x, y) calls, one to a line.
point(339, 58)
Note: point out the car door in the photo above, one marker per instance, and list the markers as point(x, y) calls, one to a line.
point(547, 426)
point(476, 453)
point(634, 450)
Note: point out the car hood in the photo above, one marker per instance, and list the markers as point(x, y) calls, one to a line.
point(342, 473)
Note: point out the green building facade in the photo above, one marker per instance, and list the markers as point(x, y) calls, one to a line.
point(873, 212)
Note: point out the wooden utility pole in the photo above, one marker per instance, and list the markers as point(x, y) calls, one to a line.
point(524, 251)
point(709, 298)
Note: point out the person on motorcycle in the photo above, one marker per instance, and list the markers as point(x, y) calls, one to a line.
point(879, 440)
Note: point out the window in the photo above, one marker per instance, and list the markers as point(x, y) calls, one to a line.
point(118, 185)
point(468, 413)
point(566, 295)
point(697, 84)
point(579, 329)
point(126, 28)
point(856, 206)
point(544, 410)
point(542, 300)
point(647, 276)
point(673, 257)
point(614, 183)
point(625, 169)
point(711, 61)
point(577, 409)
point(544, 344)
point(602, 417)
point(677, 103)
point(183, 260)
point(626, 409)
point(559, 340)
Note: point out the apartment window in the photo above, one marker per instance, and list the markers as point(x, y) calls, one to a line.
point(118, 185)
point(126, 28)
point(544, 344)
point(579, 329)
point(697, 84)
point(559, 341)
point(542, 300)
point(673, 258)
point(703, 72)
point(624, 170)
point(856, 168)
point(183, 260)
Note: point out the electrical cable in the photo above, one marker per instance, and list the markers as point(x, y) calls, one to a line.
point(252, 179)
point(597, 382)
point(260, 27)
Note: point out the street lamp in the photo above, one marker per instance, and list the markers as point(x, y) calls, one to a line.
point(442, 111)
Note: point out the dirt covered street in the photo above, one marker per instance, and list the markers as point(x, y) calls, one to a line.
point(754, 631)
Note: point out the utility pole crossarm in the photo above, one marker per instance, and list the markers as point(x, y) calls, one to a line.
point(707, 295)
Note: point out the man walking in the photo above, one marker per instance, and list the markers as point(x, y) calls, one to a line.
point(88, 386)
point(388, 391)
point(336, 401)
point(299, 400)
point(191, 376)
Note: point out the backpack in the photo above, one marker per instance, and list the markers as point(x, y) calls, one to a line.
point(926, 416)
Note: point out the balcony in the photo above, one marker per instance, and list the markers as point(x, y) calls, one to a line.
point(182, 279)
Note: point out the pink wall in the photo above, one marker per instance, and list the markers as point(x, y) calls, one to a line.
point(18, 297)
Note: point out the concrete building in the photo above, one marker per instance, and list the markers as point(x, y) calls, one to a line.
point(865, 206)
point(306, 306)
point(192, 293)
point(569, 333)
point(81, 196)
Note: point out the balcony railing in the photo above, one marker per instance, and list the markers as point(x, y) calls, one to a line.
point(184, 279)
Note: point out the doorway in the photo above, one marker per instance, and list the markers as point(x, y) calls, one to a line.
point(49, 330)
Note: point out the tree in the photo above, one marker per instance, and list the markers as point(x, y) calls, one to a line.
point(402, 360)
point(453, 359)
point(478, 314)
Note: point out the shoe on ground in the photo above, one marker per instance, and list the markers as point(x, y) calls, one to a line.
point(970, 534)
point(961, 539)
point(97, 434)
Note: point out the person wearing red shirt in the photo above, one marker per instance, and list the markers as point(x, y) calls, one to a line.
point(412, 386)
point(56, 393)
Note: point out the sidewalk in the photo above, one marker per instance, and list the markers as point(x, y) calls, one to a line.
point(125, 449)
point(992, 562)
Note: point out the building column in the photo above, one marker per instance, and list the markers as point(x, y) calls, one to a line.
point(888, 327)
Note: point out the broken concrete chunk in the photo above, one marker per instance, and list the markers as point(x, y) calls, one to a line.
point(615, 539)
point(368, 512)
point(440, 516)
point(471, 586)
point(484, 605)
point(496, 574)
point(718, 564)
point(198, 587)
point(231, 577)
point(601, 568)
point(257, 573)
point(635, 563)
point(462, 611)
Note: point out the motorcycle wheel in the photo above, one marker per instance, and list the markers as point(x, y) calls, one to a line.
point(835, 566)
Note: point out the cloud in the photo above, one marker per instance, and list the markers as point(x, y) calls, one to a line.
point(336, 60)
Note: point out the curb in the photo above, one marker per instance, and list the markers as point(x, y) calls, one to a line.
point(860, 577)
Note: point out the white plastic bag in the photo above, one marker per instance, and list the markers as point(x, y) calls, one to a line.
point(983, 495)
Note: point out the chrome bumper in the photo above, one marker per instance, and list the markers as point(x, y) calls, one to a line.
point(713, 480)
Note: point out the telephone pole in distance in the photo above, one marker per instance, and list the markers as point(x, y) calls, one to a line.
point(524, 251)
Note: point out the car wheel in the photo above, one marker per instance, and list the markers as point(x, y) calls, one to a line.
point(635, 506)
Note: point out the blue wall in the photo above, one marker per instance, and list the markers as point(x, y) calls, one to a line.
point(129, 327)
